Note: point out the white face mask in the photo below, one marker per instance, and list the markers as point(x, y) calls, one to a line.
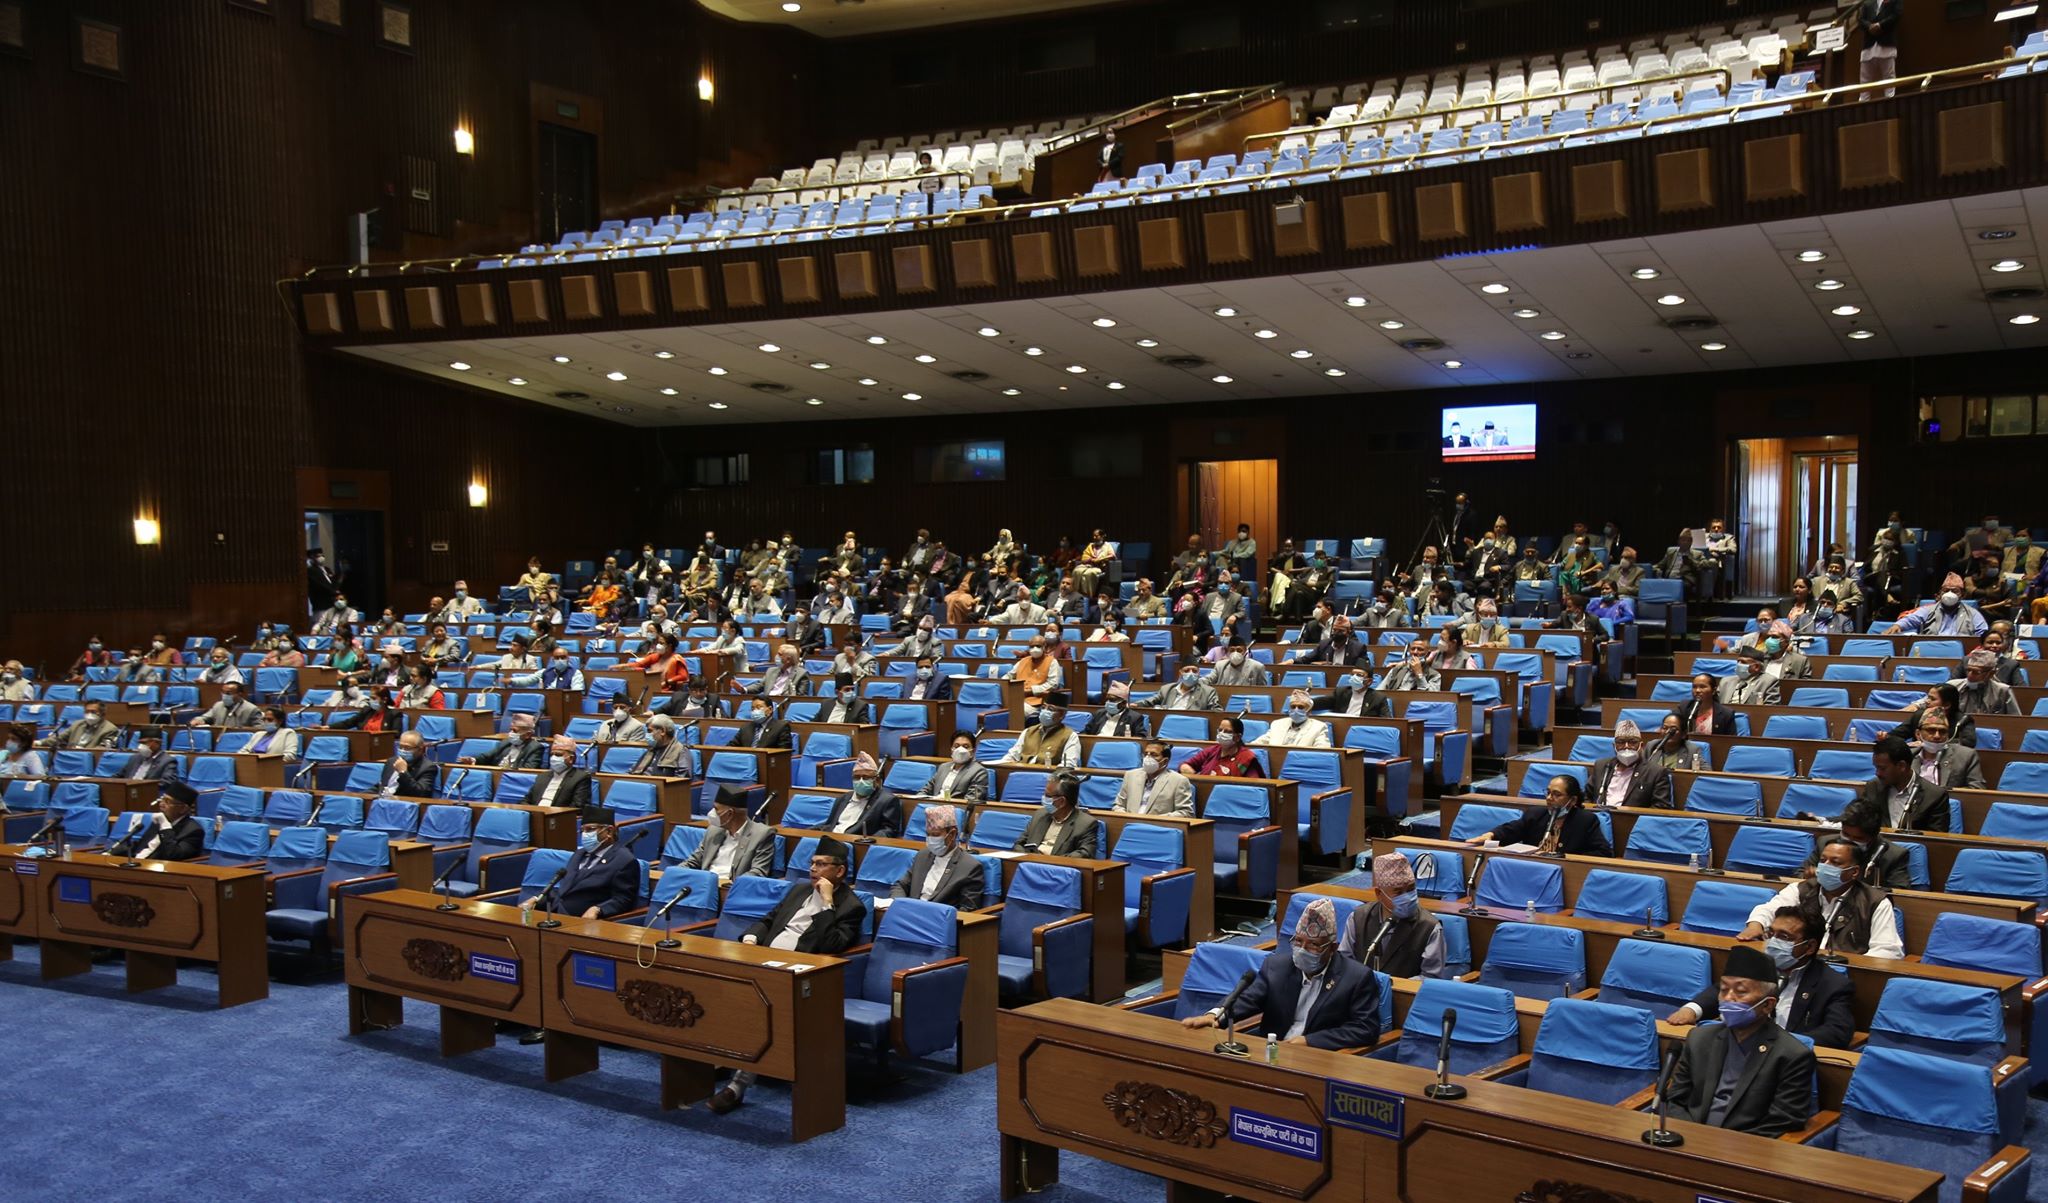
point(936, 845)
point(1951, 599)
point(1153, 764)
point(1628, 755)
point(962, 755)
point(1237, 657)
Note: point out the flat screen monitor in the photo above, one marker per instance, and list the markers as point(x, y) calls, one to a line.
point(1489, 433)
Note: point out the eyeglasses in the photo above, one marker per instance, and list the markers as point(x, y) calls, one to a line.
point(824, 862)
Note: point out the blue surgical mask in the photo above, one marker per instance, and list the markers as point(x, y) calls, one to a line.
point(588, 841)
point(1356, 681)
point(1308, 962)
point(1048, 717)
point(1781, 954)
point(1739, 1015)
point(1826, 613)
point(936, 845)
point(1830, 876)
point(864, 786)
point(925, 673)
point(1405, 905)
point(1298, 713)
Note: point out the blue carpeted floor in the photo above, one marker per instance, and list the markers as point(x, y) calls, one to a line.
point(273, 1099)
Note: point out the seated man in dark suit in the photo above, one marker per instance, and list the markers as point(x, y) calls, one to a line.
point(925, 683)
point(1816, 998)
point(409, 774)
point(945, 871)
point(1356, 698)
point(1307, 994)
point(734, 844)
point(826, 918)
point(1342, 647)
point(518, 750)
point(601, 880)
point(1116, 717)
point(151, 762)
point(1747, 1074)
point(765, 727)
point(1885, 864)
point(563, 784)
point(846, 706)
point(1902, 798)
point(1056, 830)
point(870, 809)
point(1562, 826)
point(176, 834)
point(1626, 778)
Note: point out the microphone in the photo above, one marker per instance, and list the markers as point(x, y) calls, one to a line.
point(1648, 931)
point(547, 897)
point(763, 808)
point(1472, 906)
point(668, 939)
point(1443, 1088)
point(1372, 946)
point(1662, 1136)
point(46, 829)
point(447, 903)
point(1230, 1043)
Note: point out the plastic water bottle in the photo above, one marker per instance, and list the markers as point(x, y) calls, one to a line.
point(1529, 910)
point(1272, 1049)
point(1692, 861)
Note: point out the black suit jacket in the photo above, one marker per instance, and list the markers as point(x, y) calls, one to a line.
point(1651, 786)
point(160, 768)
point(774, 733)
point(1376, 704)
point(1079, 839)
point(611, 883)
point(1724, 718)
point(1818, 1010)
point(1345, 1012)
point(1125, 723)
point(807, 638)
point(938, 689)
point(416, 782)
point(834, 931)
point(1928, 812)
point(1329, 651)
point(532, 755)
point(1773, 1096)
point(859, 714)
point(1889, 867)
point(884, 815)
point(961, 887)
point(575, 791)
point(1581, 835)
point(183, 840)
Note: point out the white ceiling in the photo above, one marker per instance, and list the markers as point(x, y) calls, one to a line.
point(842, 18)
point(1917, 273)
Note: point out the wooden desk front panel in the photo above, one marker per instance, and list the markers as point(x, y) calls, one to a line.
point(17, 912)
point(399, 944)
point(161, 906)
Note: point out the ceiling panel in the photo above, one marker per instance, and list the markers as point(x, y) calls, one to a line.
point(841, 18)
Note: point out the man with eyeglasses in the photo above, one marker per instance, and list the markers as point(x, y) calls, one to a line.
point(1306, 993)
point(944, 871)
point(1626, 778)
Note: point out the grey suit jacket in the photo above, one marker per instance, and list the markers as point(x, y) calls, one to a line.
point(971, 786)
point(1205, 697)
point(960, 886)
point(1170, 794)
point(1740, 691)
point(755, 857)
point(244, 714)
point(1958, 767)
point(1650, 787)
point(1078, 840)
point(1774, 1094)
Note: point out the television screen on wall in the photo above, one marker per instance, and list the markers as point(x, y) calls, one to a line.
point(1489, 433)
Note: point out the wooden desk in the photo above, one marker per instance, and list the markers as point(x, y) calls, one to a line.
point(707, 1004)
point(156, 913)
point(478, 964)
point(1145, 1093)
point(469, 724)
point(1198, 849)
point(672, 796)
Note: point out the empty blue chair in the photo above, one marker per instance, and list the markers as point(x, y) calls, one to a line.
point(1536, 780)
point(1813, 798)
point(1999, 873)
point(1438, 873)
point(1726, 796)
point(997, 830)
point(1654, 976)
point(1775, 851)
point(1477, 820)
point(298, 848)
point(1722, 908)
point(1786, 726)
point(394, 817)
point(1913, 1109)
point(1212, 973)
point(1535, 960)
point(340, 812)
point(1992, 946)
point(1247, 843)
point(1487, 1032)
point(1621, 897)
point(1809, 696)
point(1591, 1051)
point(1943, 1019)
point(1513, 883)
point(748, 901)
point(306, 903)
point(1759, 761)
point(1045, 938)
point(908, 985)
point(1846, 672)
point(1670, 841)
point(2016, 821)
point(2024, 777)
point(444, 825)
point(1840, 764)
point(239, 843)
point(700, 905)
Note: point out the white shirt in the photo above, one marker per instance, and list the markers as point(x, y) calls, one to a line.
point(1053, 831)
point(851, 814)
point(1310, 733)
point(547, 795)
point(799, 923)
point(937, 874)
point(952, 778)
point(722, 860)
point(1309, 987)
point(1884, 930)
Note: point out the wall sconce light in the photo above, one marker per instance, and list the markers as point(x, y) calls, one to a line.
point(704, 88)
point(465, 142)
point(147, 533)
point(478, 495)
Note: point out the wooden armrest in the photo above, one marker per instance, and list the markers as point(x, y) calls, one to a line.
point(1590, 994)
point(2006, 1068)
point(896, 979)
point(1038, 933)
point(2034, 989)
point(1977, 1187)
point(1469, 977)
point(1640, 1099)
point(1815, 1123)
point(1503, 1069)
point(1132, 1004)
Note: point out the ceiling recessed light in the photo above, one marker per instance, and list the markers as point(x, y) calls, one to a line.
point(1116, 386)
point(517, 380)
point(664, 354)
point(1333, 371)
point(1646, 273)
point(615, 376)
point(1860, 335)
point(770, 348)
point(561, 359)
point(668, 392)
point(1076, 368)
point(1812, 256)
point(1148, 343)
point(716, 371)
point(1454, 363)
point(820, 364)
point(718, 405)
point(913, 396)
point(1553, 335)
point(1578, 355)
point(877, 340)
point(1527, 313)
point(867, 381)
point(459, 366)
point(1225, 311)
point(1713, 346)
point(1994, 235)
point(1846, 310)
point(1221, 379)
point(1104, 323)
point(1011, 392)
point(927, 358)
point(1356, 302)
point(1828, 285)
point(2007, 265)
point(2023, 319)
point(988, 332)
point(1495, 289)
point(1034, 350)
point(1304, 353)
point(1671, 298)
point(1391, 324)
point(1265, 334)
point(812, 401)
